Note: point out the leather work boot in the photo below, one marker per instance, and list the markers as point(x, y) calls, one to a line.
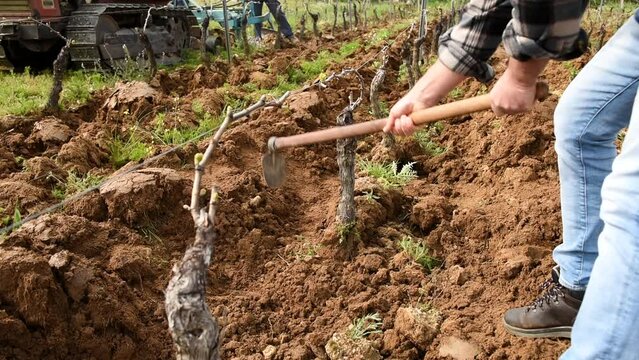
point(551, 315)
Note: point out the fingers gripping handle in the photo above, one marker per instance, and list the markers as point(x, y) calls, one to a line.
point(466, 106)
point(420, 117)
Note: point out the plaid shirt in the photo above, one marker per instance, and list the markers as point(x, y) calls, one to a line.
point(530, 29)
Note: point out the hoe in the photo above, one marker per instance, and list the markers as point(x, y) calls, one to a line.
point(274, 164)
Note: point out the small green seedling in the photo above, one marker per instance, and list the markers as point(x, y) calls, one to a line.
point(388, 175)
point(365, 326)
point(418, 252)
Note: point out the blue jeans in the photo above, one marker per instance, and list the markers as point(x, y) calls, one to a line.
point(279, 16)
point(600, 199)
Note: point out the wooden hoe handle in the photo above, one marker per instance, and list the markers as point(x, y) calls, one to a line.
point(421, 117)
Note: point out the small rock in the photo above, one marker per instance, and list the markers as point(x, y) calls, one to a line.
point(419, 326)
point(458, 275)
point(59, 259)
point(269, 352)
point(458, 349)
point(256, 201)
point(77, 282)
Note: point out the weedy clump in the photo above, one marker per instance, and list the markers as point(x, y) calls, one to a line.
point(9, 219)
point(347, 231)
point(132, 149)
point(457, 93)
point(6, 220)
point(418, 252)
point(389, 175)
point(370, 196)
point(74, 184)
point(365, 326)
point(572, 68)
point(307, 250)
point(424, 139)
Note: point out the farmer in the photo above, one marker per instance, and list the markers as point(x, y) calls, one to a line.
point(599, 194)
point(275, 8)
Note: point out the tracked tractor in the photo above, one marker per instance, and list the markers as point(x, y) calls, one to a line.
point(102, 32)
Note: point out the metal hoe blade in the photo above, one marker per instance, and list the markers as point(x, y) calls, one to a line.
point(274, 168)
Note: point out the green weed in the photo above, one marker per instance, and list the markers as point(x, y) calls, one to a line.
point(457, 93)
point(403, 74)
point(365, 326)
point(14, 218)
point(345, 231)
point(132, 149)
point(370, 196)
point(418, 252)
point(572, 68)
point(307, 250)
point(388, 175)
point(75, 183)
point(348, 49)
point(423, 137)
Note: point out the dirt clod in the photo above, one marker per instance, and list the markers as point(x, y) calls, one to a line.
point(417, 325)
point(49, 132)
point(262, 80)
point(140, 195)
point(458, 349)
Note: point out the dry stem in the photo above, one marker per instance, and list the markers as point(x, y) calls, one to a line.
point(194, 330)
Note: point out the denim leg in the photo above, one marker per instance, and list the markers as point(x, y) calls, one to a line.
point(592, 110)
point(606, 326)
point(279, 16)
point(257, 11)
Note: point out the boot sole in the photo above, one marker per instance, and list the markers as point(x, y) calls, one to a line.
point(554, 332)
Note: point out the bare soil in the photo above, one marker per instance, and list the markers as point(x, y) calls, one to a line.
point(87, 282)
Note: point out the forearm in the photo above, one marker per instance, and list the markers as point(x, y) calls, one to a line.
point(436, 84)
point(525, 72)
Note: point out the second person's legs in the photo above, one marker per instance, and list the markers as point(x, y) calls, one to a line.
point(592, 110)
point(278, 14)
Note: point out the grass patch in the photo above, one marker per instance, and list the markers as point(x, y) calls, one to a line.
point(418, 252)
point(26, 93)
point(423, 137)
point(75, 183)
point(174, 136)
point(365, 326)
point(132, 149)
point(312, 69)
point(389, 175)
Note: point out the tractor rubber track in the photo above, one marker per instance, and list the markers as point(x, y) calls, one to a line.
point(5, 64)
point(82, 29)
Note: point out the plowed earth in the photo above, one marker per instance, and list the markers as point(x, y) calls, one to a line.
point(87, 282)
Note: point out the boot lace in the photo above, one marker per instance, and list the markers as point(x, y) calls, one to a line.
point(551, 293)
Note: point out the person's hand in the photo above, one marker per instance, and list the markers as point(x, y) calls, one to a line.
point(515, 91)
point(399, 122)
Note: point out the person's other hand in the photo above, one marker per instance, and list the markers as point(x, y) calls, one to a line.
point(511, 95)
point(399, 122)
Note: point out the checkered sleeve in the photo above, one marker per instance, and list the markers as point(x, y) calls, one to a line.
point(545, 29)
point(529, 28)
point(466, 47)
